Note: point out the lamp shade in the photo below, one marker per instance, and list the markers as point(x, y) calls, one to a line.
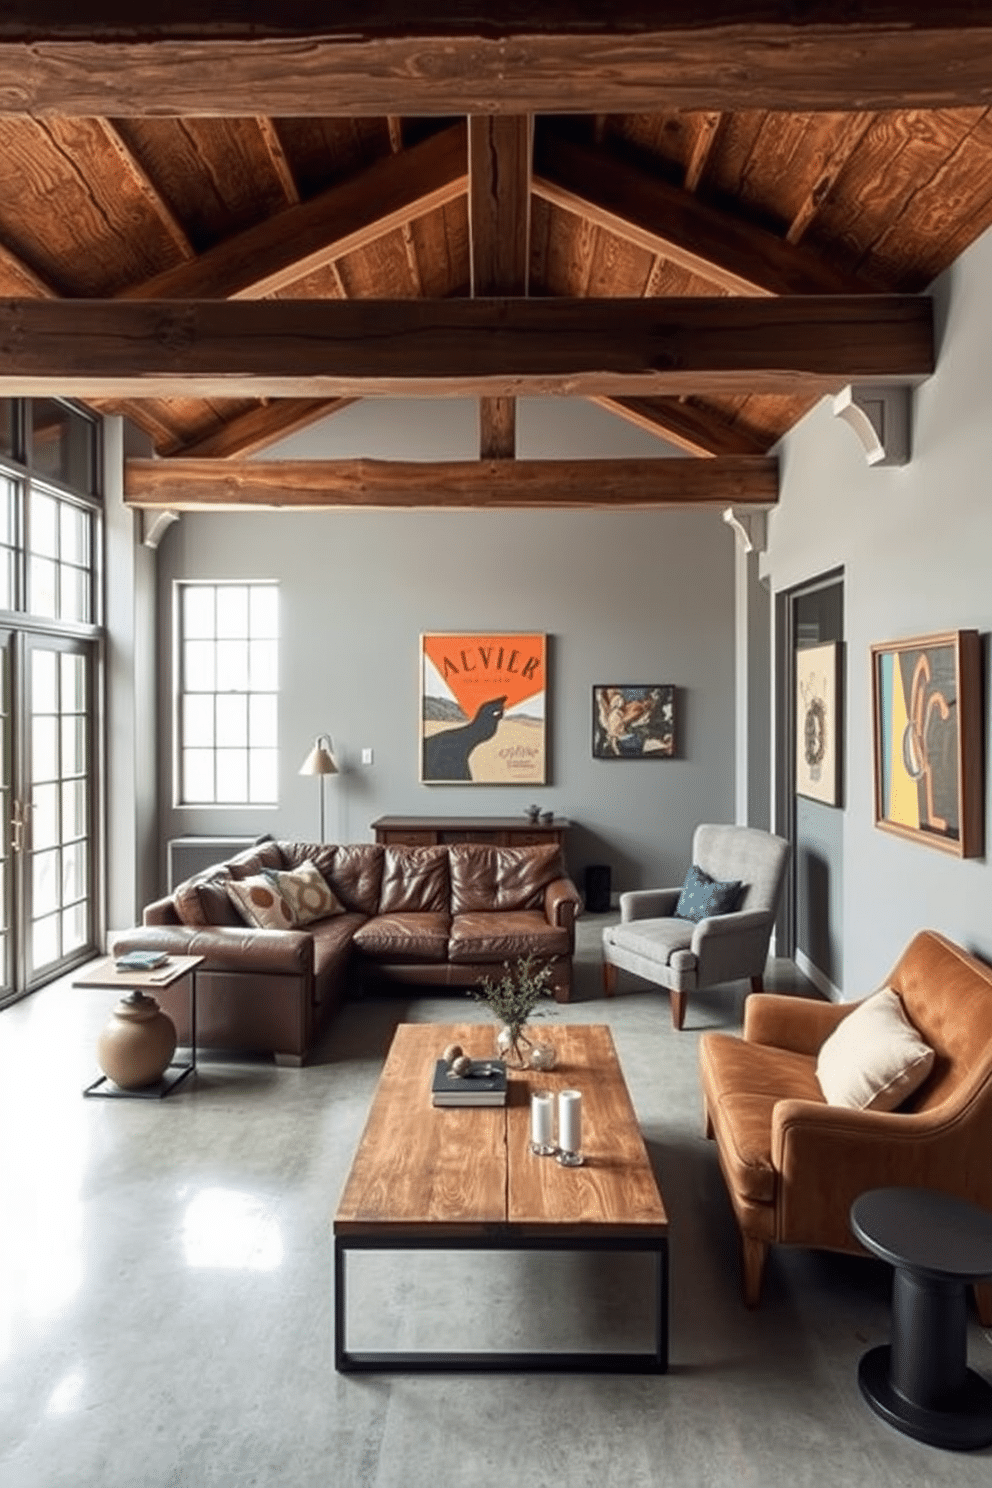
point(320, 760)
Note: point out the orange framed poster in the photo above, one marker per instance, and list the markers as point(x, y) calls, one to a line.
point(483, 709)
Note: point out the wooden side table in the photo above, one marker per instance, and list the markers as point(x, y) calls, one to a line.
point(105, 974)
point(502, 831)
point(921, 1383)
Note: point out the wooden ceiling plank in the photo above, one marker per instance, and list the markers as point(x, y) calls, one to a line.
point(457, 348)
point(728, 251)
point(147, 189)
point(302, 59)
point(286, 247)
point(190, 485)
point(277, 155)
point(703, 145)
point(261, 427)
point(852, 132)
point(18, 278)
point(691, 427)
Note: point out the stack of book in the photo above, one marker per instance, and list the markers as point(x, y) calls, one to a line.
point(483, 1085)
point(141, 960)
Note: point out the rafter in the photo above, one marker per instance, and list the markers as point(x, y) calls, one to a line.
point(710, 128)
point(497, 428)
point(294, 243)
point(724, 249)
point(851, 133)
point(692, 428)
point(277, 158)
point(260, 428)
point(278, 58)
point(191, 485)
point(457, 348)
point(149, 192)
point(18, 278)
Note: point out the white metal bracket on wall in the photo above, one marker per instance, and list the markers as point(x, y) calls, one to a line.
point(880, 417)
point(154, 526)
point(750, 528)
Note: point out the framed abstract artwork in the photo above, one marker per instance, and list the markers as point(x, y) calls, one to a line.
point(818, 747)
point(928, 740)
point(633, 721)
point(483, 701)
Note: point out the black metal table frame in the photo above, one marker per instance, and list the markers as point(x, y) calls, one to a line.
point(173, 1075)
point(348, 1361)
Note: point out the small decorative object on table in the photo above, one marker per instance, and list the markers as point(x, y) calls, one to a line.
point(542, 1123)
point(542, 1055)
point(512, 1001)
point(533, 813)
point(570, 1128)
point(461, 1081)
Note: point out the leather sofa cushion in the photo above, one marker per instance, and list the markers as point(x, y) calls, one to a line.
point(405, 937)
point(742, 1084)
point(504, 936)
point(330, 938)
point(354, 870)
point(415, 880)
point(487, 878)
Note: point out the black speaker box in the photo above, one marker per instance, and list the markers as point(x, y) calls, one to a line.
point(598, 888)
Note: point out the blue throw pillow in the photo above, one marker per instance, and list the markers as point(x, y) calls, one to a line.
point(702, 896)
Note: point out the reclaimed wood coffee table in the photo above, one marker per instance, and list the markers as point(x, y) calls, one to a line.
point(464, 1178)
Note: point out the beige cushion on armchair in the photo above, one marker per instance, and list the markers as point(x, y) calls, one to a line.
point(875, 1059)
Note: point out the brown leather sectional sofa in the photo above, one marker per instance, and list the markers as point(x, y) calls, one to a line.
point(443, 916)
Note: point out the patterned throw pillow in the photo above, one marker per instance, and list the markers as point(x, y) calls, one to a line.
point(306, 891)
point(260, 903)
point(703, 896)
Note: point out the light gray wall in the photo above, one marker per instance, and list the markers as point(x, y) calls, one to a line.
point(915, 544)
point(631, 597)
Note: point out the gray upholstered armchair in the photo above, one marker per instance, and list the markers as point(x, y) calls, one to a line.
point(685, 955)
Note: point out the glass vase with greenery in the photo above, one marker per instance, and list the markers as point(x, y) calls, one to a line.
point(513, 1000)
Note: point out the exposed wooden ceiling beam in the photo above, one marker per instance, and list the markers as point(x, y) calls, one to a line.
point(191, 485)
point(300, 57)
point(17, 278)
point(696, 430)
point(724, 249)
point(277, 157)
point(458, 348)
point(260, 428)
point(500, 154)
point(707, 134)
point(301, 239)
point(500, 151)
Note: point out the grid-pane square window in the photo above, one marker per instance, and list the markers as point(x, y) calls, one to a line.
point(228, 638)
point(59, 557)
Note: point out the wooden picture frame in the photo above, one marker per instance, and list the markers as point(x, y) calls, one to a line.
point(483, 708)
point(818, 723)
point(633, 721)
point(927, 726)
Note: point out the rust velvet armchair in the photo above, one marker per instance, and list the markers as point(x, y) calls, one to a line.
point(793, 1164)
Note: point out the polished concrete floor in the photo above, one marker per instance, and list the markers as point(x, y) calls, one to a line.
point(166, 1299)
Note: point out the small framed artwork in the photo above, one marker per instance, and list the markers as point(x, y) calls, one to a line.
point(818, 750)
point(483, 703)
point(633, 721)
point(927, 719)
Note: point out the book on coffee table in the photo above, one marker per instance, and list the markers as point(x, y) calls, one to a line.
point(484, 1085)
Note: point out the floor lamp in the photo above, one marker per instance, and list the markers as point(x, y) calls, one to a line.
point(320, 762)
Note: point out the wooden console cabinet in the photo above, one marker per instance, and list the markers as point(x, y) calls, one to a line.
point(504, 831)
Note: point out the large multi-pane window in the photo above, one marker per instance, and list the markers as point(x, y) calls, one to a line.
point(228, 655)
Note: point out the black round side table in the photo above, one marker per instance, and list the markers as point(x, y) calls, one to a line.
point(921, 1383)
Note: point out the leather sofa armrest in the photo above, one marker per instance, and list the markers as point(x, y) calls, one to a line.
point(648, 904)
point(904, 1147)
point(162, 912)
point(228, 948)
point(561, 901)
point(801, 1024)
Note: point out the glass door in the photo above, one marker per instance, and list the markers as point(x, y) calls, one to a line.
point(47, 870)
